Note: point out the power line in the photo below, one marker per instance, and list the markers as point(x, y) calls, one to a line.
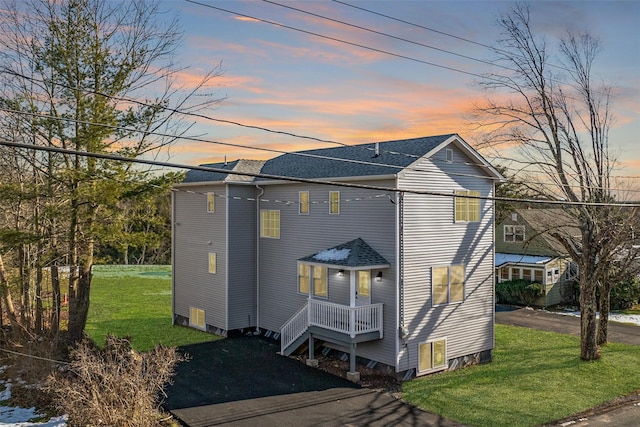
point(229, 144)
point(335, 39)
point(388, 35)
point(413, 24)
point(105, 156)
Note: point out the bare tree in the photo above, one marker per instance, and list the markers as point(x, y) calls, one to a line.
point(72, 73)
point(556, 120)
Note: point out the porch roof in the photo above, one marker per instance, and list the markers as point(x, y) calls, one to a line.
point(502, 259)
point(353, 255)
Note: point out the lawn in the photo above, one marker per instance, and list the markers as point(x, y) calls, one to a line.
point(135, 301)
point(535, 377)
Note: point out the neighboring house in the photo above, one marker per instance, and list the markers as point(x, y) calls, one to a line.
point(526, 250)
point(399, 273)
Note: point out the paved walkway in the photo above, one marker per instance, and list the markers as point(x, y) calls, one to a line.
point(243, 382)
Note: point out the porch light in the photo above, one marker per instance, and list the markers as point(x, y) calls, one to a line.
point(379, 276)
point(340, 273)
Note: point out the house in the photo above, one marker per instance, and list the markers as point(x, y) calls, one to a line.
point(526, 250)
point(382, 250)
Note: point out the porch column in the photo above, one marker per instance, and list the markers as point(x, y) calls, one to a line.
point(353, 375)
point(311, 360)
point(352, 288)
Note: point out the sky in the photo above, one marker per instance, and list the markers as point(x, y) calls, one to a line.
point(297, 82)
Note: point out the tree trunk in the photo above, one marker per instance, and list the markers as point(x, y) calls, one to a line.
point(6, 295)
point(589, 349)
point(605, 308)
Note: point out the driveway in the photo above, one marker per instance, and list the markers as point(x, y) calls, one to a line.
point(243, 382)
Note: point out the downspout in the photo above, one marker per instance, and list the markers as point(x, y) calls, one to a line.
point(258, 258)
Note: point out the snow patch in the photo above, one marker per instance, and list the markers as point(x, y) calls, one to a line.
point(11, 416)
point(332, 255)
point(614, 317)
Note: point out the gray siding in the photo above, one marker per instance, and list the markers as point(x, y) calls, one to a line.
point(196, 233)
point(432, 238)
point(371, 218)
point(242, 257)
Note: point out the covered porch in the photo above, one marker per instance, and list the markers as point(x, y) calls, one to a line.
point(359, 321)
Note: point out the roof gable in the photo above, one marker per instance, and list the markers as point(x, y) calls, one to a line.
point(360, 160)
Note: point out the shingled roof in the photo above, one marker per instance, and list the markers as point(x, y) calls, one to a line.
point(350, 255)
point(304, 164)
point(362, 160)
point(242, 165)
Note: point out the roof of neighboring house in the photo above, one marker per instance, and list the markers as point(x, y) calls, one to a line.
point(241, 165)
point(350, 255)
point(548, 221)
point(502, 259)
point(372, 159)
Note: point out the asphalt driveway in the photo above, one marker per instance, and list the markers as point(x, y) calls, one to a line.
point(243, 382)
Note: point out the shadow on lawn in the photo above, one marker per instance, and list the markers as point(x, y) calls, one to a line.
point(242, 368)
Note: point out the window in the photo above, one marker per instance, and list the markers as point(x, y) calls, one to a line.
point(449, 155)
point(526, 274)
point(334, 202)
point(303, 278)
point(467, 209)
point(303, 203)
point(196, 317)
point(538, 275)
point(364, 283)
point(320, 281)
point(432, 355)
point(270, 224)
point(212, 263)
point(447, 284)
point(211, 202)
point(504, 273)
point(515, 273)
point(514, 233)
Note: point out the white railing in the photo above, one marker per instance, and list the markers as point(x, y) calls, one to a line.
point(345, 319)
point(335, 317)
point(294, 327)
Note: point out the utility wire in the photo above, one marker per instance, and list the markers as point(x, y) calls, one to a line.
point(105, 156)
point(229, 144)
point(389, 35)
point(335, 39)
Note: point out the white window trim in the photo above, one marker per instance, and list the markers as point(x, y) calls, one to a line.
point(300, 203)
point(312, 287)
point(438, 368)
point(448, 155)
point(467, 204)
point(514, 233)
point(308, 293)
point(211, 196)
point(331, 203)
point(262, 228)
point(215, 263)
point(196, 324)
point(464, 285)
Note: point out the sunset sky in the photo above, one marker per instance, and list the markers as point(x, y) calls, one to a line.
point(291, 81)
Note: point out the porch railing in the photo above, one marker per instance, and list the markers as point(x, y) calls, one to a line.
point(335, 317)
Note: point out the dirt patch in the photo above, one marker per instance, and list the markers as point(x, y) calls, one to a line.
point(369, 377)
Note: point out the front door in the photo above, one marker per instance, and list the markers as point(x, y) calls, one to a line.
point(363, 287)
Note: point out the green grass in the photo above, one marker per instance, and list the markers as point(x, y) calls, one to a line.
point(135, 301)
point(535, 377)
